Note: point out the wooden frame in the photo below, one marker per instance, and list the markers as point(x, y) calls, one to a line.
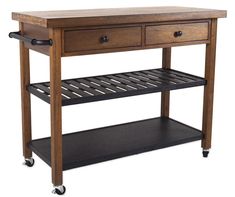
point(165, 96)
point(25, 97)
point(209, 88)
point(56, 110)
point(43, 33)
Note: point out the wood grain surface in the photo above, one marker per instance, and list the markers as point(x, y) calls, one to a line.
point(82, 40)
point(70, 18)
point(160, 34)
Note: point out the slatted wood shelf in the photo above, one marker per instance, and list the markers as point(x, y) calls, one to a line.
point(103, 144)
point(89, 89)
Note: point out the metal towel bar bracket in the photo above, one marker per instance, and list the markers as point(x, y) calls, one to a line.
point(17, 35)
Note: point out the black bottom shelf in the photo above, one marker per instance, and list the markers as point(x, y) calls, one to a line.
point(98, 145)
point(89, 89)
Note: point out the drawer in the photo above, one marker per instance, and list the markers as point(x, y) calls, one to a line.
point(176, 33)
point(98, 39)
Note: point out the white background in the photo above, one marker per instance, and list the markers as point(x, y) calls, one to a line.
point(177, 171)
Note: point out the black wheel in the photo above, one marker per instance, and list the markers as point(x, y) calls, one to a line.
point(205, 153)
point(60, 190)
point(29, 162)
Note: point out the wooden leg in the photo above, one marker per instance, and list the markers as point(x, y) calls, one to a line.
point(25, 97)
point(209, 88)
point(165, 96)
point(56, 111)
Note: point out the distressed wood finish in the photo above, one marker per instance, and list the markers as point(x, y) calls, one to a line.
point(25, 97)
point(37, 32)
point(89, 38)
point(75, 18)
point(167, 45)
point(85, 40)
point(162, 34)
point(56, 111)
point(209, 88)
point(165, 96)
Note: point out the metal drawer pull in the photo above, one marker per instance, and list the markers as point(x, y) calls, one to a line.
point(178, 34)
point(104, 39)
point(17, 35)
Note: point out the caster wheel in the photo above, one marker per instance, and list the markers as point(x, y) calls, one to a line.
point(29, 162)
point(205, 153)
point(60, 190)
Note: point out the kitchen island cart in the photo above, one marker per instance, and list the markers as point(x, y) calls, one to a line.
point(60, 34)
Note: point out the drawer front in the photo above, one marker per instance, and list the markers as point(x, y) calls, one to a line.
point(164, 34)
point(107, 38)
